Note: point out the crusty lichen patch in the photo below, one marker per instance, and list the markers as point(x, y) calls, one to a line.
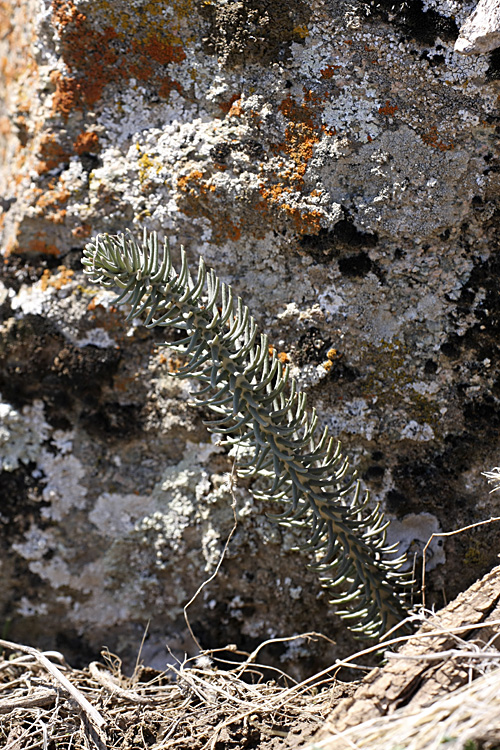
point(337, 165)
point(21, 434)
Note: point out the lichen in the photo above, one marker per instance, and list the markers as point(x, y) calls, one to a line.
point(413, 532)
point(22, 434)
point(374, 236)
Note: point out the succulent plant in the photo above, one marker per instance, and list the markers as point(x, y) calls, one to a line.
point(260, 408)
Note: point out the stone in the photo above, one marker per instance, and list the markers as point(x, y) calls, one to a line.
point(480, 33)
point(339, 168)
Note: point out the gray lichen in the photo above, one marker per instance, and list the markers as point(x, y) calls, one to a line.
point(21, 434)
point(321, 233)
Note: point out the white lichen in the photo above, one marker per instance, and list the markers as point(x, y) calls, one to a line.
point(98, 337)
point(63, 491)
point(418, 432)
point(22, 433)
point(413, 533)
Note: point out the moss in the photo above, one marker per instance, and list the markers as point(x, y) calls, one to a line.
point(475, 556)
point(389, 377)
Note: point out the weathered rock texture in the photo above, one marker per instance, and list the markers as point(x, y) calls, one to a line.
point(337, 163)
point(481, 31)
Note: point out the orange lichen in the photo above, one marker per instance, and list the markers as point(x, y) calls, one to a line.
point(388, 109)
point(302, 112)
point(148, 54)
point(301, 31)
point(199, 195)
point(236, 109)
point(431, 138)
point(301, 135)
point(227, 229)
point(282, 356)
point(64, 277)
point(93, 59)
point(67, 94)
point(161, 51)
point(141, 69)
point(305, 221)
point(227, 106)
point(167, 86)
point(150, 23)
point(329, 71)
point(303, 131)
point(51, 153)
point(175, 364)
point(281, 193)
point(52, 198)
point(223, 226)
point(49, 203)
point(57, 217)
point(39, 246)
point(89, 56)
point(44, 281)
point(312, 97)
point(331, 356)
point(87, 143)
point(192, 183)
point(300, 139)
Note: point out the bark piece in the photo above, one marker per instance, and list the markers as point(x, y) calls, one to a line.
point(418, 682)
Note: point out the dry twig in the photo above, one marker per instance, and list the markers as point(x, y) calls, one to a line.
point(450, 533)
point(94, 718)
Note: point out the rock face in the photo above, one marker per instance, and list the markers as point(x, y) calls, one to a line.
point(337, 163)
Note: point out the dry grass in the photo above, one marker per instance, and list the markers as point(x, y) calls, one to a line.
point(46, 705)
point(194, 705)
point(467, 719)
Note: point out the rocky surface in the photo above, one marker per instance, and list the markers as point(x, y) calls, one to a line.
point(337, 163)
